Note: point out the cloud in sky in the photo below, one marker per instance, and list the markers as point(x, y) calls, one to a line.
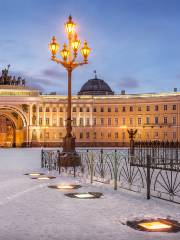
point(52, 73)
point(129, 82)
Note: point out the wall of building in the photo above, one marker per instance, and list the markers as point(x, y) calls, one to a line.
point(97, 121)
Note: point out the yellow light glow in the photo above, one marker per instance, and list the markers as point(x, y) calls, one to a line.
point(70, 26)
point(123, 127)
point(43, 178)
point(35, 174)
point(85, 50)
point(53, 46)
point(84, 195)
point(65, 187)
point(64, 52)
point(155, 225)
point(75, 43)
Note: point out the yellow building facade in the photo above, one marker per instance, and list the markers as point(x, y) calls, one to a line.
point(28, 118)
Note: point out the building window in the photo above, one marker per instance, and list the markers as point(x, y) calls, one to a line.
point(147, 108)
point(124, 121)
point(102, 121)
point(87, 122)
point(102, 135)
point(94, 109)
point(54, 122)
point(81, 109)
point(123, 135)
point(47, 121)
point(109, 109)
point(40, 109)
point(94, 121)
point(94, 135)
point(34, 108)
point(139, 121)
point(174, 135)
point(165, 134)
point(74, 109)
point(40, 121)
point(156, 134)
point(87, 135)
point(81, 135)
point(123, 109)
point(165, 120)
point(131, 109)
point(139, 109)
point(116, 135)
point(109, 134)
point(74, 121)
point(116, 121)
point(102, 109)
point(109, 121)
point(47, 135)
point(81, 122)
point(60, 135)
point(61, 109)
point(147, 120)
point(156, 108)
point(54, 109)
point(61, 122)
point(156, 120)
point(165, 107)
point(147, 135)
point(131, 121)
point(174, 120)
point(87, 109)
point(174, 107)
point(116, 109)
point(47, 109)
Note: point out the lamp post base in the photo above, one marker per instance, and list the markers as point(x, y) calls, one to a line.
point(69, 157)
point(69, 144)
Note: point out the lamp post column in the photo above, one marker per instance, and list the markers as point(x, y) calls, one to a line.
point(69, 140)
point(69, 127)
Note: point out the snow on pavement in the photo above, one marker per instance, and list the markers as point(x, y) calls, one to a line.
point(31, 210)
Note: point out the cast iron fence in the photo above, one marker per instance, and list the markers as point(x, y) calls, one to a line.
point(150, 168)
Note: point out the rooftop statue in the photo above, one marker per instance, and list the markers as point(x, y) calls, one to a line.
point(6, 79)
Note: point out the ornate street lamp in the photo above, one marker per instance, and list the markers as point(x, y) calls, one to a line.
point(69, 54)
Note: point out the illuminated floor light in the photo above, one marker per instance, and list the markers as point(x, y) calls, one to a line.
point(43, 177)
point(85, 195)
point(34, 174)
point(155, 225)
point(88, 195)
point(64, 187)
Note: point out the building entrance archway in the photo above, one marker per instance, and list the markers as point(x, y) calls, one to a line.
point(13, 128)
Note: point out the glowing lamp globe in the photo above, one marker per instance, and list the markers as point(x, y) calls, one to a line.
point(64, 53)
point(75, 43)
point(85, 50)
point(70, 26)
point(53, 46)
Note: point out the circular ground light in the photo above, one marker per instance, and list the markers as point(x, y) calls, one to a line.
point(155, 225)
point(65, 186)
point(43, 177)
point(87, 195)
point(34, 174)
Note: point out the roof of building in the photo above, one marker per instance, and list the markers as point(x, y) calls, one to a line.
point(95, 86)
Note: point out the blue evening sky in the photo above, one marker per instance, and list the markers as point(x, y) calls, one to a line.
point(135, 43)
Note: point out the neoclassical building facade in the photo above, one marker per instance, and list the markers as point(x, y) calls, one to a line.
point(99, 117)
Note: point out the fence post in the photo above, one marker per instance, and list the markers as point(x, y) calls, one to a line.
point(115, 170)
point(148, 176)
point(91, 167)
point(58, 161)
point(42, 158)
point(102, 164)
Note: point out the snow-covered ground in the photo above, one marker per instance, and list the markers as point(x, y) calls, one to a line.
point(30, 210)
